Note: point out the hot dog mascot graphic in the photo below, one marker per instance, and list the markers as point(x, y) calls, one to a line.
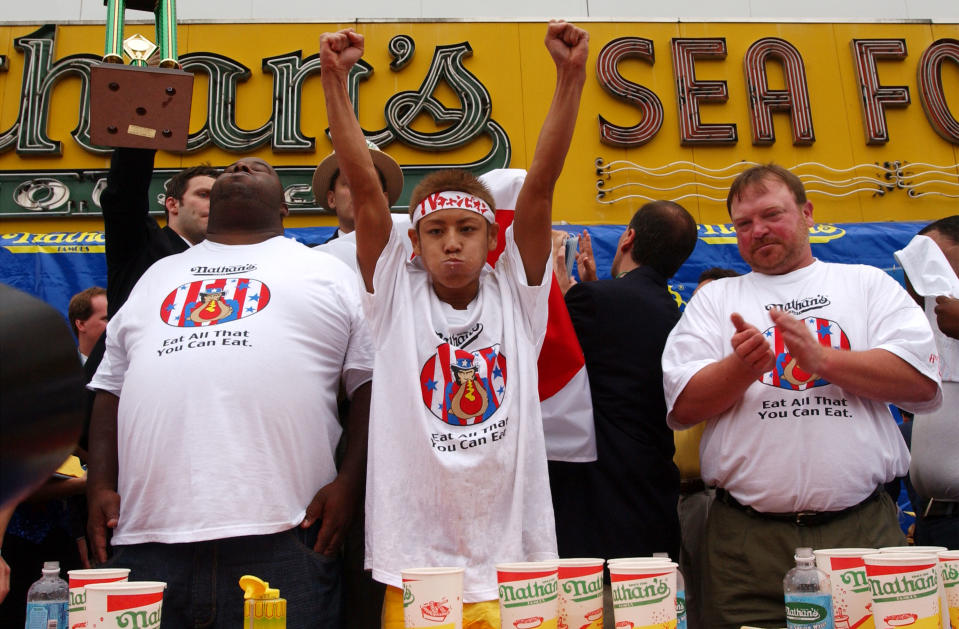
point(463, 388)
point(787, 374)
point(216, 301)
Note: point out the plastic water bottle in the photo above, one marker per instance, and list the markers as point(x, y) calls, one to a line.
point(808, 594)
point(680, 595)
point(47, 600)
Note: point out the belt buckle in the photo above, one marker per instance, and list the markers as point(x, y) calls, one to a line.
point(804, 514)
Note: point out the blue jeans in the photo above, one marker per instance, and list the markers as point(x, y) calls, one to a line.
point(203, 578)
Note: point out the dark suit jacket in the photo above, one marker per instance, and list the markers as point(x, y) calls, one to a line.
point(624, 504)
point(134, 240)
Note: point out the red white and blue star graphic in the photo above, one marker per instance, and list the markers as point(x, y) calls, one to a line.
point(214, 301)
point(463, 388)
point(787, 374)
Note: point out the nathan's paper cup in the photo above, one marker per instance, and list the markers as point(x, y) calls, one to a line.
point(851, 598)
point(527, 595)
point(949, 578)
point(905, 590)
point(934, 552)
point(913, 549)
point(644, 593)
point(580, 593)
point(433, 597)
point(124, 605)
point(79, 579)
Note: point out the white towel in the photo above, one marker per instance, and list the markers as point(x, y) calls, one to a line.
point(931, 275)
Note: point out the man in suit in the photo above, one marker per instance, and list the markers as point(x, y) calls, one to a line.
point(624, 504)
point(134, 240)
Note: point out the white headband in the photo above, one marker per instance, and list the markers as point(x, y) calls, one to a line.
point(452, 200)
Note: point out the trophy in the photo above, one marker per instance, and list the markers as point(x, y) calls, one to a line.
point(138, 105)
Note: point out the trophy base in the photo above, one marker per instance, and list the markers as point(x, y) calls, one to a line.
point(140, 107)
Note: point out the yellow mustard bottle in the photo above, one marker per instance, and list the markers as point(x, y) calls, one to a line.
point(262, 606)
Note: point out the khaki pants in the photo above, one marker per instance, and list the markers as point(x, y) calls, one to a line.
point(747, 556)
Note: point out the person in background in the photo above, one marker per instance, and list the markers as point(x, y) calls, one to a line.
point(87, 313)
point(695, 498)
point(931, 265)
point(633, 486)
point(792, 366)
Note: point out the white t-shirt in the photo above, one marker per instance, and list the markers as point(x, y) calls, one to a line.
point(343, 248)
point(457, 463)
point(227, 360)
point(795, 442)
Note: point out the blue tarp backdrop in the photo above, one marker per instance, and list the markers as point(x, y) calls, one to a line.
point(56, 266)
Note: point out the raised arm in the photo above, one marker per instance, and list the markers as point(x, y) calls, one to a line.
point(568, 45)
point(127, 223)
point(338, 52)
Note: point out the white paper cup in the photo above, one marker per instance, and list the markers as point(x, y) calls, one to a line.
point(933, 551)
point(433, 597)
point(79, 579)
point(644, 593)
point(580, 593)
point(905, 590)
point(949, 578)
point(528, 594)
point(123, 605)
point(851, 598)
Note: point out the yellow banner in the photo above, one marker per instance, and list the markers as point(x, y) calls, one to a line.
point(430, 107)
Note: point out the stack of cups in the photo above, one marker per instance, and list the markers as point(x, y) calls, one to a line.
point(433, 597)
point(933, 553)
point(79, 580)
point(580, 593)
point(644, 592)
point(528, 594)
point(851, 599)
point(905, 589)
point(949, 578)
point(122, 604)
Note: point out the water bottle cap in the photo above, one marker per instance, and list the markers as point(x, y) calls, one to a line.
point(804, 553)
point(51, 566)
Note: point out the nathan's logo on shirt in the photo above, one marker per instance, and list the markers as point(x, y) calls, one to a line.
point(208, 302)
point(788, 374)
point(463, 388)
point(463, 338)
point(796, 307)
point(223, 270)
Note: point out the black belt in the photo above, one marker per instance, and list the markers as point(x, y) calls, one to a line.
point(802, 518)
point(941, 509)
point(691, 486)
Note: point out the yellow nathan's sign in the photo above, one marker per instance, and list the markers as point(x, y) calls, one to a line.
point(866, 114)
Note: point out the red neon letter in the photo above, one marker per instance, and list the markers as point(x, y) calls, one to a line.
point(691, 92)
point(931, 94)
point(644, 98)
point(875, 98)
point(763, 101)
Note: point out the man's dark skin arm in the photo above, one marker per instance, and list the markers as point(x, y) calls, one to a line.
point(102, 497)
point(336, 503)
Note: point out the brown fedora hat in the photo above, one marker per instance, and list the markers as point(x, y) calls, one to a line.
point(386, 165)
